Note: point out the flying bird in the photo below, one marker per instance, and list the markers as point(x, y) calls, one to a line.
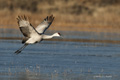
point(34, 35)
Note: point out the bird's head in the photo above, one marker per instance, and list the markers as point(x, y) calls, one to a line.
point(57, 34)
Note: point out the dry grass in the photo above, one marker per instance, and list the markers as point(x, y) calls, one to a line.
point(69, 17)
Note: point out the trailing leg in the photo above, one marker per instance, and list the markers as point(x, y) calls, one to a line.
point(19, 50)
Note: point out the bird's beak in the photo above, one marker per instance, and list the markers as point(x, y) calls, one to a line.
point(62, 37)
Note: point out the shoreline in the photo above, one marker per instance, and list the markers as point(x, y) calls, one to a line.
point(81, 28)
point(69, 40)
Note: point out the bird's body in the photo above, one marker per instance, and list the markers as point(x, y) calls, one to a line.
point(33, 35)
point(35, 39)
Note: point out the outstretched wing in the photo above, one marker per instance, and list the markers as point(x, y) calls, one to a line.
point(41, 28)
point(25, 27)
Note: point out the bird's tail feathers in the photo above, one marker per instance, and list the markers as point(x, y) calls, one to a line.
point(24, 40)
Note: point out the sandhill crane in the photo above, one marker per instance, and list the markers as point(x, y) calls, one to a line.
point(34, 35)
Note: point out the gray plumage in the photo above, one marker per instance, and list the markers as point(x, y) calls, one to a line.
point(34, 35)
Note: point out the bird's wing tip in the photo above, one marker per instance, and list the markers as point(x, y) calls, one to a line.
point(51, 18)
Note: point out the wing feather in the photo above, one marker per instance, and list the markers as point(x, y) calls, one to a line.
point(41, 28)
point(25, 27)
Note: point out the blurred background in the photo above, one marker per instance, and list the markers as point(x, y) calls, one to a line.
point(70, 15)
point(89, 49)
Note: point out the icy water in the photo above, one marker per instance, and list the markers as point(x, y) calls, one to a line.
point(60, 60)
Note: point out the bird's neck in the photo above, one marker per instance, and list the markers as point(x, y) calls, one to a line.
point(48, 36)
